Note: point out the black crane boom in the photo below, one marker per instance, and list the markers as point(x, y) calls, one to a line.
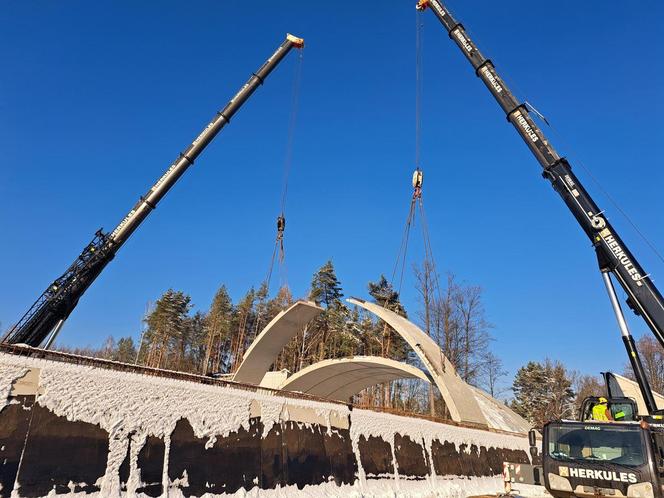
point(60, 298)
point(612, 253)
point(570, 465)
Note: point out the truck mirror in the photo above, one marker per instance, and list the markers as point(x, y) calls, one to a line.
point(532, 438)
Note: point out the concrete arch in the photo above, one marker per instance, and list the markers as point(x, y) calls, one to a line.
point(272, 339)
point(622, 386)
point(342, 378)
point(465, 403)
point(460, 400)
point(498, 414)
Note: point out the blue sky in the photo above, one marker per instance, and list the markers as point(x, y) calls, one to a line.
point(96, 100)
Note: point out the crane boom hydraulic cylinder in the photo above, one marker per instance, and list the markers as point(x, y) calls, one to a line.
point(61, 297)
point(612, 253)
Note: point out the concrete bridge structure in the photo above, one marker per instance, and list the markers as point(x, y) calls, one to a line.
point(341, 379)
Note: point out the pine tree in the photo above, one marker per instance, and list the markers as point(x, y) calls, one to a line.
point(385, 295)
point(288, 357)
point(561, 400)
point(392, 344)
point(218, 333)
point(197, 342)
point(125, 351)
point(282, 301)
point(261, 313)
point(543, 392)
point(326, 291)
point(325, 287)
point(350, 340)
point(167, 329)
point(369, 334)
point(242, 321)
point(530, 391)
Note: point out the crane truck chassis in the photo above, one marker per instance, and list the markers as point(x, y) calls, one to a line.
point(587, 458)
point(602, 458)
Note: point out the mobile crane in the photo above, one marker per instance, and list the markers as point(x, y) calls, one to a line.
point(46, 316)
point(587, 458)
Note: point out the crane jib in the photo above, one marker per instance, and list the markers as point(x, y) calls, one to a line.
point(613, 254)
point(61, 297)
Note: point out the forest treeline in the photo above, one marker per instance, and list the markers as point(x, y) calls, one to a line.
point(545, 391)
point(213, 342)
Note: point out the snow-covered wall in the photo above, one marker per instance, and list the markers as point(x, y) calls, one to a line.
point(99, 431)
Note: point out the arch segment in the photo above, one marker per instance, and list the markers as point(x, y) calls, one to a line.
point(458, 397)
point(262, 352)
point(498, 414)
point(342, 378)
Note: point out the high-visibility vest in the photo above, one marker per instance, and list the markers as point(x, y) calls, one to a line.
point(599, 413)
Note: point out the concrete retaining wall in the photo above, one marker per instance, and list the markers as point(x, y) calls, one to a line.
point(83, 430)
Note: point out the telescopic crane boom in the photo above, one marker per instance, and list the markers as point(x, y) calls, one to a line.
point(612, 254)
point(49, 312)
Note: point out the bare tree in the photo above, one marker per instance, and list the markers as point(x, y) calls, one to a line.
point(492, 372)
point(439, 314)
point(455, 318)
point(425, 287)
point(474, 331)
point(652, 356)
point(585, 386)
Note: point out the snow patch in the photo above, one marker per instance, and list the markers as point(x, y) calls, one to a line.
point(9, 373)
point(497, 414)
point(386, 425)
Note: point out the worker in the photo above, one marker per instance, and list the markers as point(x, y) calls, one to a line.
point(601, 411)
point(578, 443)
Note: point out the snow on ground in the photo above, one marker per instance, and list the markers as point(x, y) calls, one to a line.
point(441, 488)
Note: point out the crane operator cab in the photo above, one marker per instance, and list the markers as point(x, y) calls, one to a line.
point(601, 409)
point(590, 459)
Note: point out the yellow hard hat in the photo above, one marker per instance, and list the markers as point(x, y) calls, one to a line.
point(603, 401)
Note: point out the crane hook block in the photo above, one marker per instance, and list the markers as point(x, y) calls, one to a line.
point(422, 4)
point(417, 179)
point(297, 42)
